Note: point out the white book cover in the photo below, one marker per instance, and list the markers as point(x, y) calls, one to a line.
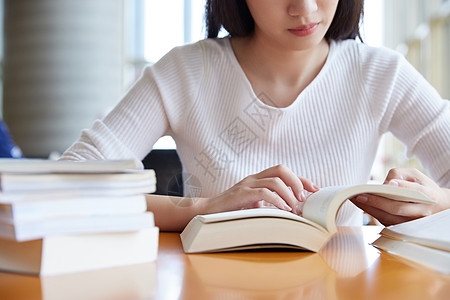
point(30, 165)
point(426, 256)
point(63, 254)
point(70, 207)
point(23, 182)
point(432, 231)
point(76, 225)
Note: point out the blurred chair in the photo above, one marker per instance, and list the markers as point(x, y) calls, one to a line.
point(168, 169)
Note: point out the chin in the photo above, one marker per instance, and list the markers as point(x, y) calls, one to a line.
point(305, 45)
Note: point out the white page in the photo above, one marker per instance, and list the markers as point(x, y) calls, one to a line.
point(317, 206)
point(434, 227)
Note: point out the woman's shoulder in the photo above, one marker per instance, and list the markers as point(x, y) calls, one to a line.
point(192, 57)
point(205, 47)
point(366, 54)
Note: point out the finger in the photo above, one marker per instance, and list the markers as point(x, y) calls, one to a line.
point(400, 173)
point(383, 217)
point(408, 184)
point(308, 184)
point(275, 184)
point(259, 194)
point(287, 176)
point(393, 207)
point(407, 174)
point(261, 204)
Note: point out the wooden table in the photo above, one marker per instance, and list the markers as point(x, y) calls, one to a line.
point(347, 268)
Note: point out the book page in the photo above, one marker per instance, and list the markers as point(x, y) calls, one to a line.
point(411, 252)
point(265, 212)
point(431, 231)
point(322, 206)
point(319, 204)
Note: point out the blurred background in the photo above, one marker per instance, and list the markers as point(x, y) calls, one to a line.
point(67, 62)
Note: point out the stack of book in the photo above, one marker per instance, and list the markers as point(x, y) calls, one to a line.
point(61, 217)
point(425, 241)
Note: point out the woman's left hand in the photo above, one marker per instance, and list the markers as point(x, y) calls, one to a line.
point(390, 212)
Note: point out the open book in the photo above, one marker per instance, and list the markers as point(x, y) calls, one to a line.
point(425, 241)
point(273, 228)
point(431, 231)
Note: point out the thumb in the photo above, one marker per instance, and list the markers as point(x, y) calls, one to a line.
point(406, 184)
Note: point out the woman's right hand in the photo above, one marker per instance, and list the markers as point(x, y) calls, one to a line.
point(277, 186)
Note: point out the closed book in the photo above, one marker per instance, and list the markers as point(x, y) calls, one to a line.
point(55, 255)
point(30, 196)
point(425, 241)
point(30, 165)
point(431, 231)
point(68, 206)
point(29, 182)
point(428, 257)
point(137, 281)
point(77, 225)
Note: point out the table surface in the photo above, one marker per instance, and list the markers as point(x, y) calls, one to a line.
point(348, 267)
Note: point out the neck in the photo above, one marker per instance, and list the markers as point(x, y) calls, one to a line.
point(265, 62)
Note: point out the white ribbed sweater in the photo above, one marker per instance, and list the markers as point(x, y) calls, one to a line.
point(200, 96)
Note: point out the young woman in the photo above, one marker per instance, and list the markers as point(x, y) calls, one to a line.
point(288, 102)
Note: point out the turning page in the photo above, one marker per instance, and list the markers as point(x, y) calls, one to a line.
point(322, 206)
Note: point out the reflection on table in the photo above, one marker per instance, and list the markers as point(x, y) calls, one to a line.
point(348, 267)
point(130, 282)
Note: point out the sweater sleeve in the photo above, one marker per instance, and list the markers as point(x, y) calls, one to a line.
point(148, 111)
point(409, 107)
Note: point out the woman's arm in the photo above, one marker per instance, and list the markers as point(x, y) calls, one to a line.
point(390, 212)
point(173, 213)
point(414, 112)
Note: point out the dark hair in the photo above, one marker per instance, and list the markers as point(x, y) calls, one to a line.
point(234, 16)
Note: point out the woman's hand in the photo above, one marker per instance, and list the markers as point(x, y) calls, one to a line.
point(277, 186)
point(390, 212)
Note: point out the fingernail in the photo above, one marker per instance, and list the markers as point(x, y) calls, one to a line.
point(316, 187)
point(287, 207)
point(299, 208)
point(362, 199)
point(394, 182)
point(302, 197)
